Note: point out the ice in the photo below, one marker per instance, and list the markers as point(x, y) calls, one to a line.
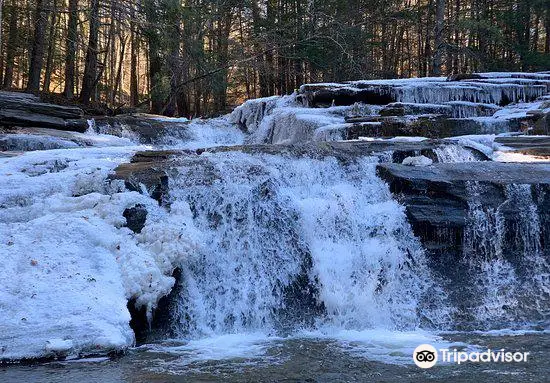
point(509, 291)
point(244, 239)
point(465, 109)
point(250, 114)
point(454, 153)
point(28, 142)
point(71, 263)
point(47, 139)
point(436, 90)
point(332, 132)
point(291, 125)
point(394, 347)
point(417, 161)
point(395, 139)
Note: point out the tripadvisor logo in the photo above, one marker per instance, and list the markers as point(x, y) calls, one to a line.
point(426, 356)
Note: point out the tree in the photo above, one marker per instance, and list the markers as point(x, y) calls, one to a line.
point(70, 47)
point(89, 80)
point(11, 48)
point(439, 42)
point(198, 57)
point(37, 55)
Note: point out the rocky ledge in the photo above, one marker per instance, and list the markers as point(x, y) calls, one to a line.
point(538, 146)
point(26, 110)
point(440, 199)
point(150, 170)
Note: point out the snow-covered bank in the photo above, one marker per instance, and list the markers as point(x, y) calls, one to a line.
point(69, 264)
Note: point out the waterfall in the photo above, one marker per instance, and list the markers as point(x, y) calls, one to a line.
point(297, 242)
point(505, 260)
point(454, 154)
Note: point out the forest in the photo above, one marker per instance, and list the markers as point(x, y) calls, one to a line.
point(202, 57)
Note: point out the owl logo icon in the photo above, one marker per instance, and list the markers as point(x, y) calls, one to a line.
point(425, 356)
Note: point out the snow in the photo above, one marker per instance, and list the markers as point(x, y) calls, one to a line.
point(510, 156)
point(417, 161)
point(59, 345)
point(71, 263)
point(519, 110)
point(493, 75)
point(486, 144)
point(171, 119)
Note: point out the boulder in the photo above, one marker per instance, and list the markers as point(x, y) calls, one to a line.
point(404, 108)
point(19, 109)
point(150, 171)
point(491, 89)
point(135, 217)
point(464, 76)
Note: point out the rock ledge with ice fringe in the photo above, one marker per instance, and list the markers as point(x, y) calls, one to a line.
point(486, 103)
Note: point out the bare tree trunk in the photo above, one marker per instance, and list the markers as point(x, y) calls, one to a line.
point(51, 48)
point(438, 46)
point(90, 68)
point(155, 60)
point(1, 56)
point(133, 61)
point(70, 55)
point(119, 69)
point(11, 49)
point(224, 29)
point(37, 56)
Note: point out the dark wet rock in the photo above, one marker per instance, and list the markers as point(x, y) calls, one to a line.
point(145, 176)
point(19, 109)
point(135, 217)
point(540, 120)
point(148, 129)
point(464, 76)
point(403, 108)
point(530, 145)
point(345, 151)
point(430, 126)
point(320, 96)
point(438, 197)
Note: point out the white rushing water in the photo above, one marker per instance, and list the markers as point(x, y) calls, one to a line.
point(509, 269)
point(316, 225)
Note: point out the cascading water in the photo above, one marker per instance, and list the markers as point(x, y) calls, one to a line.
point(505, 260)
point(298, 242)
point(454, 154)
